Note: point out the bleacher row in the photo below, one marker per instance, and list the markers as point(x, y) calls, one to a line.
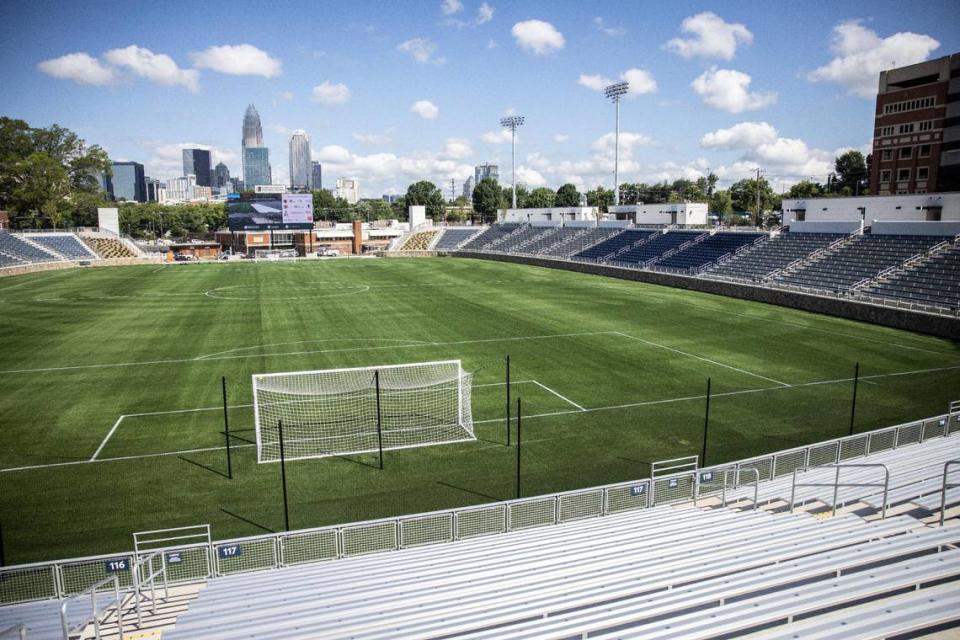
point(918, 270)
point(17, 250)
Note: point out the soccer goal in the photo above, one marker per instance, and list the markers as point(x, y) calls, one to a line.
point(347, 411)
point(272, 255)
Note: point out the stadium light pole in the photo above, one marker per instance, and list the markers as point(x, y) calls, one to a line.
point(615, 92)
point(512, 123)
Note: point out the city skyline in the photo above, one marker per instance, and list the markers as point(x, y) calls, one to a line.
point(713, 87)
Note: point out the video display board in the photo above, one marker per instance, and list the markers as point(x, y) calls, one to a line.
point(265, 211)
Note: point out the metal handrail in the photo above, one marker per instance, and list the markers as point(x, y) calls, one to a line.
point(20, 629)
point(943, 496)
point(836, 484)
point(95, 618)
point(736, 479)
point(139, 583)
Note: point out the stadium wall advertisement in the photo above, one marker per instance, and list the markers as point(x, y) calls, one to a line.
point(270, 212)
point(941, 326)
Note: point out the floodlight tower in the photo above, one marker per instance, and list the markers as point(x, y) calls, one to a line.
point(614, 92)
point(512, 122)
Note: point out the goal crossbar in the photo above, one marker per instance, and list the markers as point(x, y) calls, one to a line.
point(349, 411)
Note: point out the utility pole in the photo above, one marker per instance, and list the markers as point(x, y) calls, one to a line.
point(758, 197)
point(453, 190)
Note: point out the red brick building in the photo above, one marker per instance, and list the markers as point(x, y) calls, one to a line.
point(916, 137)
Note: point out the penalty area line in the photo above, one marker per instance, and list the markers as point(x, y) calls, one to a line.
point(562, 397)
point(96, 453)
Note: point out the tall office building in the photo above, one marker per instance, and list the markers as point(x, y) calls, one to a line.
point(255, 157)
point(129, 182)
point(485, 170)
point(468, 188)
point(316, 176)
point(916, 136)
point(156, 190)
point(348, 189)
point(221, 176)
point(196, 162)
point(300, 159)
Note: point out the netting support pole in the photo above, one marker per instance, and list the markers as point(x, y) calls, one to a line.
point(226, 429)
point(3, 558)
point(706, 426)
point(283, 477)
point(508, 401)
point(518, 448)
point(853, 404)
point(376, 380)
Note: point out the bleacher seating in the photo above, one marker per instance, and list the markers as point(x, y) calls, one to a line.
point(578, 243)
point(548, 240)
point(864, 257)
point(15, 251)
point(618, 242)
point(491, 235)
point(515, 242)
point(419, 241)
point(764, 258)
point(453, 238)
point(67, 245)
point(656, 246)
point(935, 281)
point(703, 253)
point(109, 247)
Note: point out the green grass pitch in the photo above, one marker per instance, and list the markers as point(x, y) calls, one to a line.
point(612, 375)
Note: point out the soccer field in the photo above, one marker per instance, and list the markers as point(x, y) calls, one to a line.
point(110, 388)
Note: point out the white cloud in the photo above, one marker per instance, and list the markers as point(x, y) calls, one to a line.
point(450, 7)
point(238, 60)
point(610, 31)
point(530, 177)
point(279, 128)
point(712, 37)
point(371, 138)
point(167, 159)
point(157, 67)
point(457, 148)
point(496, 137)
point(560, 138)
point(425, 109)
point(484, 13)
point(491, 44)
point(79, 67)
point(539, 37)
point(596, 82)
point(641, 81)
point(740, 136)
point(328, 93)
point(862, 55)
point(422, 50)
point(729, 90)
point(606, 143)
point(332, 153)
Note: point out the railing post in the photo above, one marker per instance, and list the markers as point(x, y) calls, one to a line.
point(836, 489)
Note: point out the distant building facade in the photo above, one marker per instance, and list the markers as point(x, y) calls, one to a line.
point(316, 175)
point(197, 162)
point(485, 170)
point(348, 189)
point(916, 137)
point(300, 167)
point(221, 176)
point(156, 190)
point(181, 189)
point(468, 185)
point(254, 156)
point(128, 182)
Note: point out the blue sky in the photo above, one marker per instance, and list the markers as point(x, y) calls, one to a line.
point(394, 92)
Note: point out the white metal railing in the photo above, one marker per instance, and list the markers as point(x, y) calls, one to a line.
point(144, 565)
point(97, 616)
point(947, 486)
point(836, 484)
point(16, 631)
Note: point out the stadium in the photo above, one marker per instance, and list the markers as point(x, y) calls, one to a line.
point(257, 408)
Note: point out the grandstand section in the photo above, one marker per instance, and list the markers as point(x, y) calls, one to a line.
point(66, 245)
point(454, 238)
point(760, 260)
point(16, 250)
point(109, 247)
point(862, 258)
point(657, 248)
point(491, 236)
point(932, 281)
point(580, 242)
point(711, 249)
point(616, 245)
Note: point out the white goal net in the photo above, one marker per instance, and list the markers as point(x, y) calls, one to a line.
point(337, 411)
point(272, 255)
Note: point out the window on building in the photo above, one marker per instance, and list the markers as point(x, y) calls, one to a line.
point(886, 131)
point(886, 154)
point(923, 173)
point(926, 125)
point(903, 174)
point(923, 151)
point(885, 175)
point(906, 152)
point(906, 128)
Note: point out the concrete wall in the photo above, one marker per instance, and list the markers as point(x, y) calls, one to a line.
point(824, 227)
point(917, 228)
point(908, 207)
point(551, 213)
point(887, 316)
point(663, 213)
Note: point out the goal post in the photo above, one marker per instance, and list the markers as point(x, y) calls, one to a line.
point(332, 412)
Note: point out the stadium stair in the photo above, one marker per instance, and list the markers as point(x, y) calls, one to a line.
point(420, 240)
point(109, 248)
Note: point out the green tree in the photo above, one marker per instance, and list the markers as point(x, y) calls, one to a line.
point(851, 170)
point(600, 197)
point(744, 196)
point(540, 198)
point(486, 198)
point(506, 198)
point(721, 204)
point(425, 193)
point(806, 189)
point(40, 186)
point(567, 196)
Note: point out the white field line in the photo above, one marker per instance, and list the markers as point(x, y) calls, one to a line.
point(537, 415)
point(692, 355)
point(104, 443)
point(564, 398)
point(301, 353)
